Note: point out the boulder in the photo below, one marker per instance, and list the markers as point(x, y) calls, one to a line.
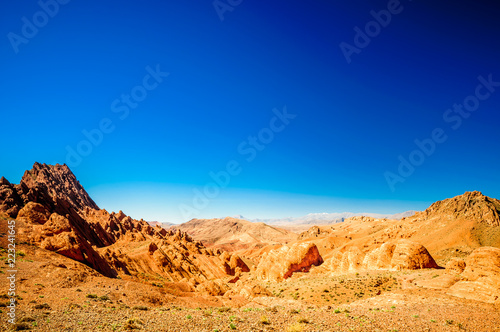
point(212, 287)
point(482, 276)
point(455, 266)
point(411, 256)
point(398, 255)
point(278, 265)
point(33, 213)
point(347, 260)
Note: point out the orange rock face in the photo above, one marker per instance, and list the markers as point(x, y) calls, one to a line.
point(455, 266)
point(397, 255)
point(482, 274)
point(33, 213)
point(56, 214)
point(278, 265)
point(409, 255)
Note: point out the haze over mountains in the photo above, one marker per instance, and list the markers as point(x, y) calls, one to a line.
point(329, 218)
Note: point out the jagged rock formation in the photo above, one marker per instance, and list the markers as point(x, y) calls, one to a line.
point(462, 224)
point(471, 205)
point(55, 213)
point(314, 232)
point(398, 255)
point(10, 201)
point(234, 234)
point(278, 265)
point(482, 276)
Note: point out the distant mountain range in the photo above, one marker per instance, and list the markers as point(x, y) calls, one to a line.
point(327, 218)
point(161, 224)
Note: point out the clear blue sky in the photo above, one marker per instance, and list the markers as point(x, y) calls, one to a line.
point(352, 120)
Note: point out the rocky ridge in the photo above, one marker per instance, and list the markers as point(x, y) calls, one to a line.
point(55, 213)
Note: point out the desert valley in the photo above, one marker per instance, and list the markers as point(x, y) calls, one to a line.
point(82, 268)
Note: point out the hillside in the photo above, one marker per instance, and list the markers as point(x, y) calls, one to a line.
point(55, 213)
point(452, 227)
point(235, 234)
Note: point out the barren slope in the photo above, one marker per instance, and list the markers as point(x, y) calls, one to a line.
point(234, 234)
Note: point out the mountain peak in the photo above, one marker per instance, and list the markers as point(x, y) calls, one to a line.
point(53, 182)
point(471, 205)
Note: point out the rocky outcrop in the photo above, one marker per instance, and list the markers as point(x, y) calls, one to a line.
point(56, 213)
point(10, 201)
point(346, 260)
point(455, 266)
point(482, 276)
point(249, 290)
point(34, 213)
point(472, 205)
point(314, 232)
point(397, 255)
point(213, 288)
point(409, 255)
point(278, 265)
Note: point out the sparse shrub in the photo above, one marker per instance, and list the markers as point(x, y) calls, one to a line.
point(224, 309)
point(294, 311)
point(104, 298)
point(303, 320)
point(140, 307)
point(21, 327)
point(189, 317)
point(42, 306)
point(449, 321)
point(91, 296)
point(133, 324)
point(273, 309)
point(27, 319)
point(264, 320)
point(232, 326)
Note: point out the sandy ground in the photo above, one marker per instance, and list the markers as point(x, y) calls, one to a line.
point(57, 294)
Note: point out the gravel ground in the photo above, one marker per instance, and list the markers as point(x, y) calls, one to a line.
point(388, 313)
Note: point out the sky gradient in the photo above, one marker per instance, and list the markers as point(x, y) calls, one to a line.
point(167, 112)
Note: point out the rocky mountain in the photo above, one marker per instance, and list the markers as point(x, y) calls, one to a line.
point(448, 228)
point(55, 213)
point(234, 234)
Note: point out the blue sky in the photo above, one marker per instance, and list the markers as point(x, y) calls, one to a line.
point(101, 68)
